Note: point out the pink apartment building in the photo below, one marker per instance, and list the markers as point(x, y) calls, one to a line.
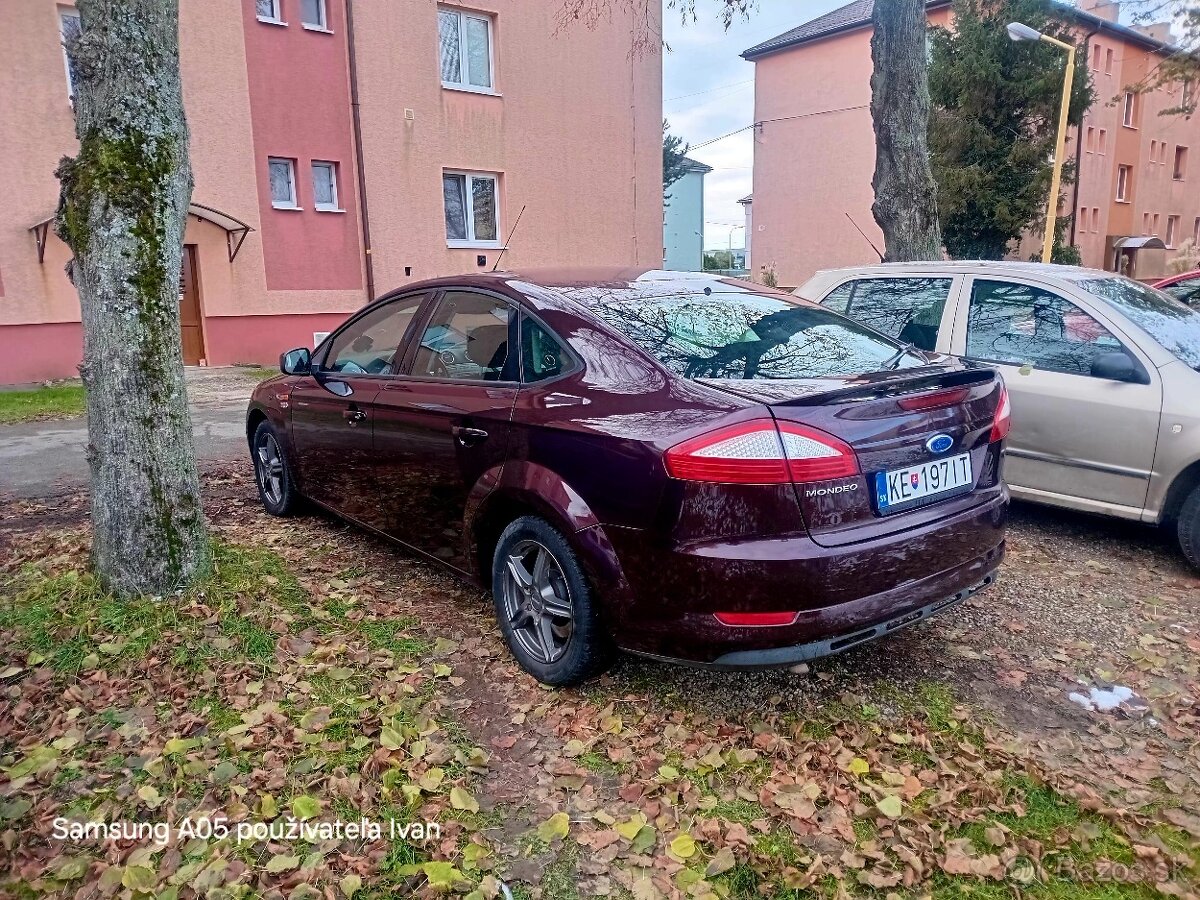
point(814, 150)
point(343, 148)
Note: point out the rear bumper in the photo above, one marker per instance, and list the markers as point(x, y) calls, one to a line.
point(843, 595)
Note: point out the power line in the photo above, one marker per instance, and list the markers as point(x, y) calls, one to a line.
point(719, 87)
point(820, 112)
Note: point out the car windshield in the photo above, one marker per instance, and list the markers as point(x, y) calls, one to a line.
point(1174, 325)
point(743, 335)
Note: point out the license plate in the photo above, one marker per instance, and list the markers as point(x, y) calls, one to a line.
point(904, 487)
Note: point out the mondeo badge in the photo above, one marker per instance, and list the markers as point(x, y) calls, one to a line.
point(939, 443)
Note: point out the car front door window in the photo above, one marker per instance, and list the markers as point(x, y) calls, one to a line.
point(1023, 325)
point(368, 345)
point(908, 309)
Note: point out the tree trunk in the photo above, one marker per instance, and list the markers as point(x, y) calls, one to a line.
point(122, 210)
point(905, 193)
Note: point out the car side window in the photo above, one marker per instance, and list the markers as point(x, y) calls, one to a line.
point(468, 338)
point(1020, 325)
point(838, 299)
point(908, 309)
point(368, 345)
point(1185, 291)
point(542, 354)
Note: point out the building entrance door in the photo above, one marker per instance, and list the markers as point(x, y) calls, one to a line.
point(190, 327)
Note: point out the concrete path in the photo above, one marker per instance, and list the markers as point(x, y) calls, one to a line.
point(45, 459)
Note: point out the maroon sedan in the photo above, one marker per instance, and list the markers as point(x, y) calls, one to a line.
point(682, 466)
point(1185, 288)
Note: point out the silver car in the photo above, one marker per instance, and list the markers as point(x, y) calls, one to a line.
point(1103, 375)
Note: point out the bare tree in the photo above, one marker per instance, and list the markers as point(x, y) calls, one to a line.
point(905, 204)
point(122, 210)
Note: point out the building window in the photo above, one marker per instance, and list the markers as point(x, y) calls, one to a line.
point(1172, 230)
point(1095, 218)
point(1154, 225)
point(1180, 163)
point(472, 210)
point(1196, 231)
point(313, 15)
point(1123, 175)
point(269, 11)
point(1130, 109)
point(325, 193)
point(283, 183)
point(1103, 141)
point(69, 26)
point(1154, 151)
point(466, 48)
point(1096, 57)
point(1091, 139)
point(1145, 223)
point(1108, 61)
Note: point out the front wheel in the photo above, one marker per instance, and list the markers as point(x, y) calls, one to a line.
point(1188, 527)
point(275, 486)
point(544, 605)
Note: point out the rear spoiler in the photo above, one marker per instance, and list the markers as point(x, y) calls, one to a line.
point(892, 384)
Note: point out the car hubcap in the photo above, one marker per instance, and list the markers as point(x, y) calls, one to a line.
point(270, 469)
point(537, 602)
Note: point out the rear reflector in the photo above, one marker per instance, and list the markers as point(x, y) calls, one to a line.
point(761, 452)
point(935, 400)
point(754, 620)
point(1002, 424)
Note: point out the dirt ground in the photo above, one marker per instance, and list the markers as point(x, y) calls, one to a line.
point(658, 781)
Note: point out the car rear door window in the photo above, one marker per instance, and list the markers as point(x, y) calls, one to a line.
point(368, 345)
point(1185, 291)
point(542, 354)
point(909, 309)
point(1020, 324)
point(468, 339)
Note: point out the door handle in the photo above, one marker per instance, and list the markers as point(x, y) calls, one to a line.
point(468, 437)
point(353, 416)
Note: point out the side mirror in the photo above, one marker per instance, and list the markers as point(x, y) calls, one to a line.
point(296, 362)
point(1116, 365)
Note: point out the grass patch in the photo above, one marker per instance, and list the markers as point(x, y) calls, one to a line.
point(58, 402)
point(260, 373)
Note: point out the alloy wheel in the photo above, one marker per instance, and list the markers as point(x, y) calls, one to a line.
point(537, 602)
point(269, 464)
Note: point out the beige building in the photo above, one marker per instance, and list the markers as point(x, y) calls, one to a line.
point(303, 210)
point(1138, 181)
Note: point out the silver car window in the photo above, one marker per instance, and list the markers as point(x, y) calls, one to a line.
point(1021, 324)
point(906, 308)
point(1174, 325)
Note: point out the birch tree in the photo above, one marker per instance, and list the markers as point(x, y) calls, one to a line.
point(122, 211)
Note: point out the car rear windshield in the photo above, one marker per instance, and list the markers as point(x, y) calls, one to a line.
point(742, 335)
point(1175, 325)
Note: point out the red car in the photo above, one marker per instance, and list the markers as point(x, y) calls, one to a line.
point(681, 466)
point(1185, 287)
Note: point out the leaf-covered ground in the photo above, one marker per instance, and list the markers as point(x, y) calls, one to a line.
point(325, 677)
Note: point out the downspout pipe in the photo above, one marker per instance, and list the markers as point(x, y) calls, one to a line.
point(364, 216)
point(1087, 57)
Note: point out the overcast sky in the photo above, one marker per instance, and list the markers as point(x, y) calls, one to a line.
point(708, 90)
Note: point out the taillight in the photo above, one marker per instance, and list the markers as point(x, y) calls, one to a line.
point(1002, 424)
point(761, 452)
point(755, 619)
point(936, 400)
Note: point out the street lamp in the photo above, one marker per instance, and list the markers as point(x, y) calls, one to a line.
point(730, 249)
point(1021, 32)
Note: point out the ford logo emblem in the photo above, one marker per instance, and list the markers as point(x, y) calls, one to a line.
point(939, 443)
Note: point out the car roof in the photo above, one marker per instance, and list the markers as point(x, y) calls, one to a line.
point(972, 266)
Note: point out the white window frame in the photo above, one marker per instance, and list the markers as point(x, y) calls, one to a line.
point(469, 209)
point(335, 206)
point(1129, 111)
point(323, 25)
point(1123, 173)
point(463, 84)
point(276, 19)
point(291, 164)
point(1102, 141)
point(63, 15)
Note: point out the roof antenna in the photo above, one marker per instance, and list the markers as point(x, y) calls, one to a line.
point(500, 256)
point(864, 237)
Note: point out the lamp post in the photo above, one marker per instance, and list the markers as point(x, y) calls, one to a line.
point(1020, 32)
point(730, 248)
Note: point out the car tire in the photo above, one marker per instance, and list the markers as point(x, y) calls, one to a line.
point(545, 607)
point(1188, 527)
point(272, 474)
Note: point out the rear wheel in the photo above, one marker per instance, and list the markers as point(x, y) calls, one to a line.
point(1188, 527)
point(544, 605)
point(275, 486)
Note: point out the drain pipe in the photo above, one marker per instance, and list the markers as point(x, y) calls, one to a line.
point(364, 216)
point(1087, 57)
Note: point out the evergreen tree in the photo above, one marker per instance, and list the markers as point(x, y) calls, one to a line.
point(674, 156)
